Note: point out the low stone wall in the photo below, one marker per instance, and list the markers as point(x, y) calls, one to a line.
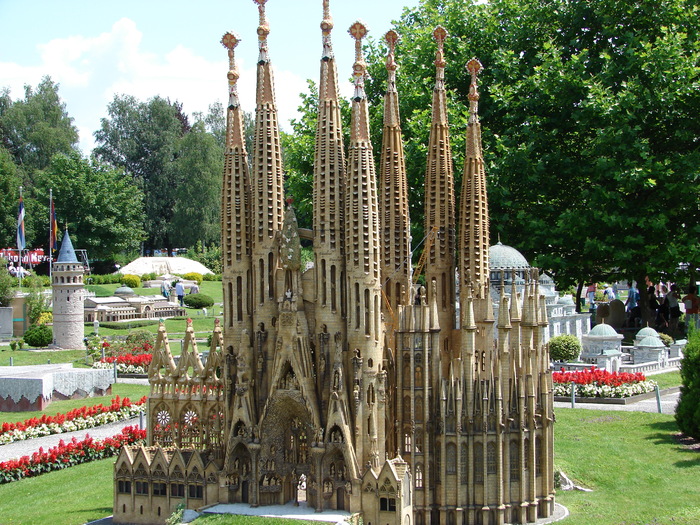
point(28, 388)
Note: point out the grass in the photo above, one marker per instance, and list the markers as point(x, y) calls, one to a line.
point(667, 379)
point(639, 475)
point(229, 519)
point(133, 392)
point(25, 358)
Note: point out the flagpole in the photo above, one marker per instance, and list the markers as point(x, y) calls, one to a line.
point(51, 234)
point(20, 236)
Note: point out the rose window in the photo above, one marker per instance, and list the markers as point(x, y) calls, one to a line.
point(190, 418)
point(163, 418)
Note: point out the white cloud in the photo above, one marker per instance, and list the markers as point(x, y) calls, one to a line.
point(91, 70)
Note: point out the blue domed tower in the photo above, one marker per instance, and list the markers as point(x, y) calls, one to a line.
point(68, 295)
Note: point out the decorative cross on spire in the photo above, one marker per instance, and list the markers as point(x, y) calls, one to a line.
point(392, 38)
point(326, 28)
point(230, 41)
point(359, 69)
point(263, 31)
point(474, 67)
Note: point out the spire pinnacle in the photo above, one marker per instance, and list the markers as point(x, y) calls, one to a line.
point(359, 69)
point(474, 67)
point(230, 41)
point(391, 37)
point(440, 34)
point(326, 28)
point(263, 31)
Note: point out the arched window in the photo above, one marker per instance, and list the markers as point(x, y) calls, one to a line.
point(514, 458)
point(491, 458)
point(419, 476)
point(451, 458)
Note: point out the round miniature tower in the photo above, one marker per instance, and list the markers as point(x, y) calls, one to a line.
point(68, 294)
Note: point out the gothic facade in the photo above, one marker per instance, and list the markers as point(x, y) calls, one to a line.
point(344, 384)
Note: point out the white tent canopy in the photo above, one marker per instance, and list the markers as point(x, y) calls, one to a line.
point(163, 265)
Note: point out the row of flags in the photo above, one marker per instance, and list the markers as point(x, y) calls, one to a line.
point(53, 225)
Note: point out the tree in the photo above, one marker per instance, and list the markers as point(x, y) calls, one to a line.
point(9, 195)
point(197, 212)
point(142, 138)
point(688, 408)
point(102, 207)
point(590, 128)
point(36, 128)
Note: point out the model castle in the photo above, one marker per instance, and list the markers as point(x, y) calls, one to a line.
point(346, 385)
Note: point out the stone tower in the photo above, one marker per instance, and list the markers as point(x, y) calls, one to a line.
point(342, 385)
point(68, 294)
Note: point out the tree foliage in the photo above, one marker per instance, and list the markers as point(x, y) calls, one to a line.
point(589, 125)
point(142, 138)
point(102, 208)
point(688, 408)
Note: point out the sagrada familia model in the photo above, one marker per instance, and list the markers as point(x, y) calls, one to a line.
point(345, 384)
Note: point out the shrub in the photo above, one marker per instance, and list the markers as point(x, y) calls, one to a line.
point(45, 318)
point(37, 301)
point(212, 277)
point(564, 348)
point(666, 339)
point(7, 284)
point(194, 276)
point(140, 337)
point(688, 407)
point(38, 336)
point(198, 300)
point(149, 276)
point(132, 281)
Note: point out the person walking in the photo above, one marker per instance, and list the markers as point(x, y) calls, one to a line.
point(180, 292)
point(692, 306)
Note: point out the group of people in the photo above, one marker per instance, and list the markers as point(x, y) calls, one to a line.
point(167, 289)
point(663, 304)
point(17, 271)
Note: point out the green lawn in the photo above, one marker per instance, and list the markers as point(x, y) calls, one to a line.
point(133, 392)
point(26, 358)
point(667, 379)
point(638, 473)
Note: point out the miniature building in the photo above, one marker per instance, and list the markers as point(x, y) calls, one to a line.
point(378, 397)
point(125, 305)
point(68, 292)
point(602, 346)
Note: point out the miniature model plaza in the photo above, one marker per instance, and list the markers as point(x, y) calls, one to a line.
point(345, 385)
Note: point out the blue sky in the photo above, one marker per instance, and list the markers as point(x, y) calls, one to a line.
point(95, 49)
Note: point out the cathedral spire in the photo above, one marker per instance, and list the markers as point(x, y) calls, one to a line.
point(396, 227)
point(440, 196)
point(474, 213)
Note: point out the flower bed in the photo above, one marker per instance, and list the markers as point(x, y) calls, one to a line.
point(126, 364)
point(68, 454)
point(601, 383)
point(77, 419)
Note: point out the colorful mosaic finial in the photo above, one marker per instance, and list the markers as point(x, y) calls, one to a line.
point(392, 38)
point(359, 69)
point(440, 34)
point(474, 67)
point(326, 28)
point(263, 31)
point(230, 41)
point(217, 322)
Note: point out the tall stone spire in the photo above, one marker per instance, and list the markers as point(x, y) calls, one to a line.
point(474, 213)
point(235, 206)
point(396, 224)
point(329, 210)
point(440, 200)
point(363, 275)
point(267, 185)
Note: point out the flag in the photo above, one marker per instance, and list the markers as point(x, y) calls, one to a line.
point(53, 231)
point(20, 226)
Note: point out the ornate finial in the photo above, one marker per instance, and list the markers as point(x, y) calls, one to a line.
point(230, 41)
point(440, 34)
point(217, 322)
point(263, 31)
point(392, 38)
point(326, 28)
point(189, 322)
point(359, 69)
point(474, 67)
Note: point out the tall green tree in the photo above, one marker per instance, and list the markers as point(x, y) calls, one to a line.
point(589, 125)
point(102, 208)
point(197, 213)
point(36, 128)
point(143, 139)
point(9, 193)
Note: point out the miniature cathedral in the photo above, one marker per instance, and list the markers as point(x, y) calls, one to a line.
point(345, 385)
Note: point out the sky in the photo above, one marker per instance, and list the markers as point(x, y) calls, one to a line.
point(95, 49)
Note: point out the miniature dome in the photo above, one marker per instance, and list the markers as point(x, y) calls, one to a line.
point(603, 329)
point(646, 332)
point(506, 257)
point(546, 279)
point(651, 342)
point(124, 290)
point(566, 300)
